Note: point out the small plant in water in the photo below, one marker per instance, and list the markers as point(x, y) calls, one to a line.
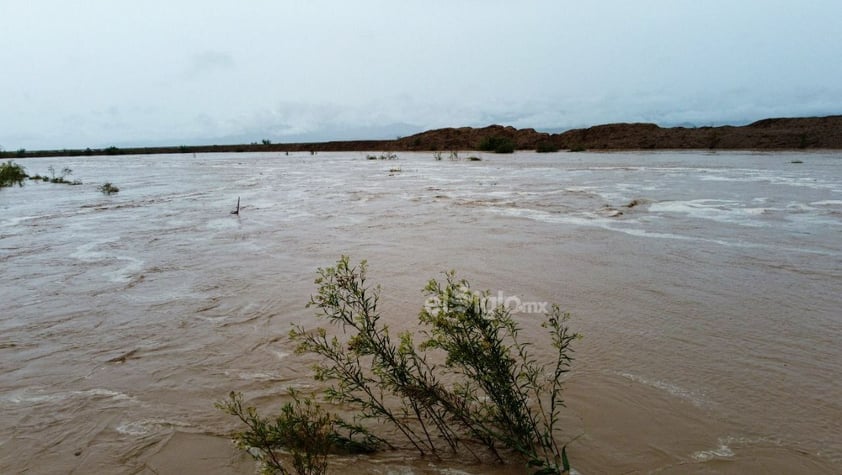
point(502, 401)
point(383, 156)
point(62, 177)
point(107, 188)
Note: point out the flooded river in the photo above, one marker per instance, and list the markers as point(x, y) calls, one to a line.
point(708, 288)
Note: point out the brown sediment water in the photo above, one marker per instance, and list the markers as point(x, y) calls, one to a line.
point(708, 288)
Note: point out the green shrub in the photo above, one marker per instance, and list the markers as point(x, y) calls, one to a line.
point(497, 145)
point(11, 174)
point(546, 147)
point(501, 399)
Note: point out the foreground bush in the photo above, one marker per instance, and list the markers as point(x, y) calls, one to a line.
point(503, 403)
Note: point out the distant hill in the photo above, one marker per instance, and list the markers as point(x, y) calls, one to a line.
point(767, 134)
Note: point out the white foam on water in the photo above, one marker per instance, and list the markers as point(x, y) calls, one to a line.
point(88, 253)
point(680, 237)
point(148, 426)
point(453, 471)
point(28, 396)
point(723, 451)
point(20, 219)
point(626, 226)
point(253, 376)
point(771, 177)
point(279, 354)
point(670, 388)
point(725, 444)
point(222, 223)
point(126, 273)
point(827, 203)
point(724, 211)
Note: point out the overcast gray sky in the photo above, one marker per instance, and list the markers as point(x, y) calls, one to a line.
point(111, 72)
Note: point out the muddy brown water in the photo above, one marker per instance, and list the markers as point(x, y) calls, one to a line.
point(711, 309)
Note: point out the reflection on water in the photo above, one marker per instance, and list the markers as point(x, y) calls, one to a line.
point(707, 286)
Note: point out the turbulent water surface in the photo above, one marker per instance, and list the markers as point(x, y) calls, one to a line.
point(708, 288)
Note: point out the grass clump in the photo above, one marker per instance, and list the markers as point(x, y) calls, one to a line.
point(108, 188)
point(497, 145)
point(503, 403)
point(12, 174)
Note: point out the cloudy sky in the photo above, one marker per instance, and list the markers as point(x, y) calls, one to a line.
point(119, 72)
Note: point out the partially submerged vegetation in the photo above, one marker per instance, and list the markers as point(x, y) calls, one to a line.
point(12, 174)
point(383, 156)
point(108, 188)
point(453, 156)
point(471, 387)
point(303, 428)
point(60, 179)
